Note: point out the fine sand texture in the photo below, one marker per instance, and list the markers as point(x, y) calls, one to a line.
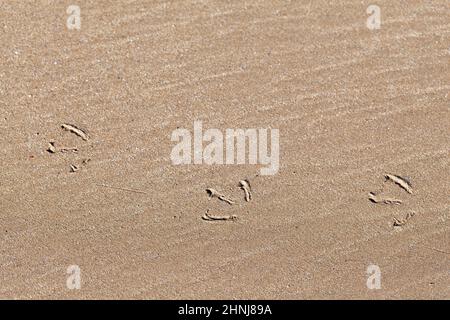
point(87, 179)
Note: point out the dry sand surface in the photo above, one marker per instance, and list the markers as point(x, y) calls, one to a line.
point(351, 105)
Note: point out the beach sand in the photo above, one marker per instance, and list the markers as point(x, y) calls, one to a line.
point(351, 105)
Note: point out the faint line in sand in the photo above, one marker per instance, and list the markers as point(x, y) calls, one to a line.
point(120, 188)
point(187, 83)
point(432, 248)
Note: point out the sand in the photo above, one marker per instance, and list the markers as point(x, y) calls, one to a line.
point(351, 105)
